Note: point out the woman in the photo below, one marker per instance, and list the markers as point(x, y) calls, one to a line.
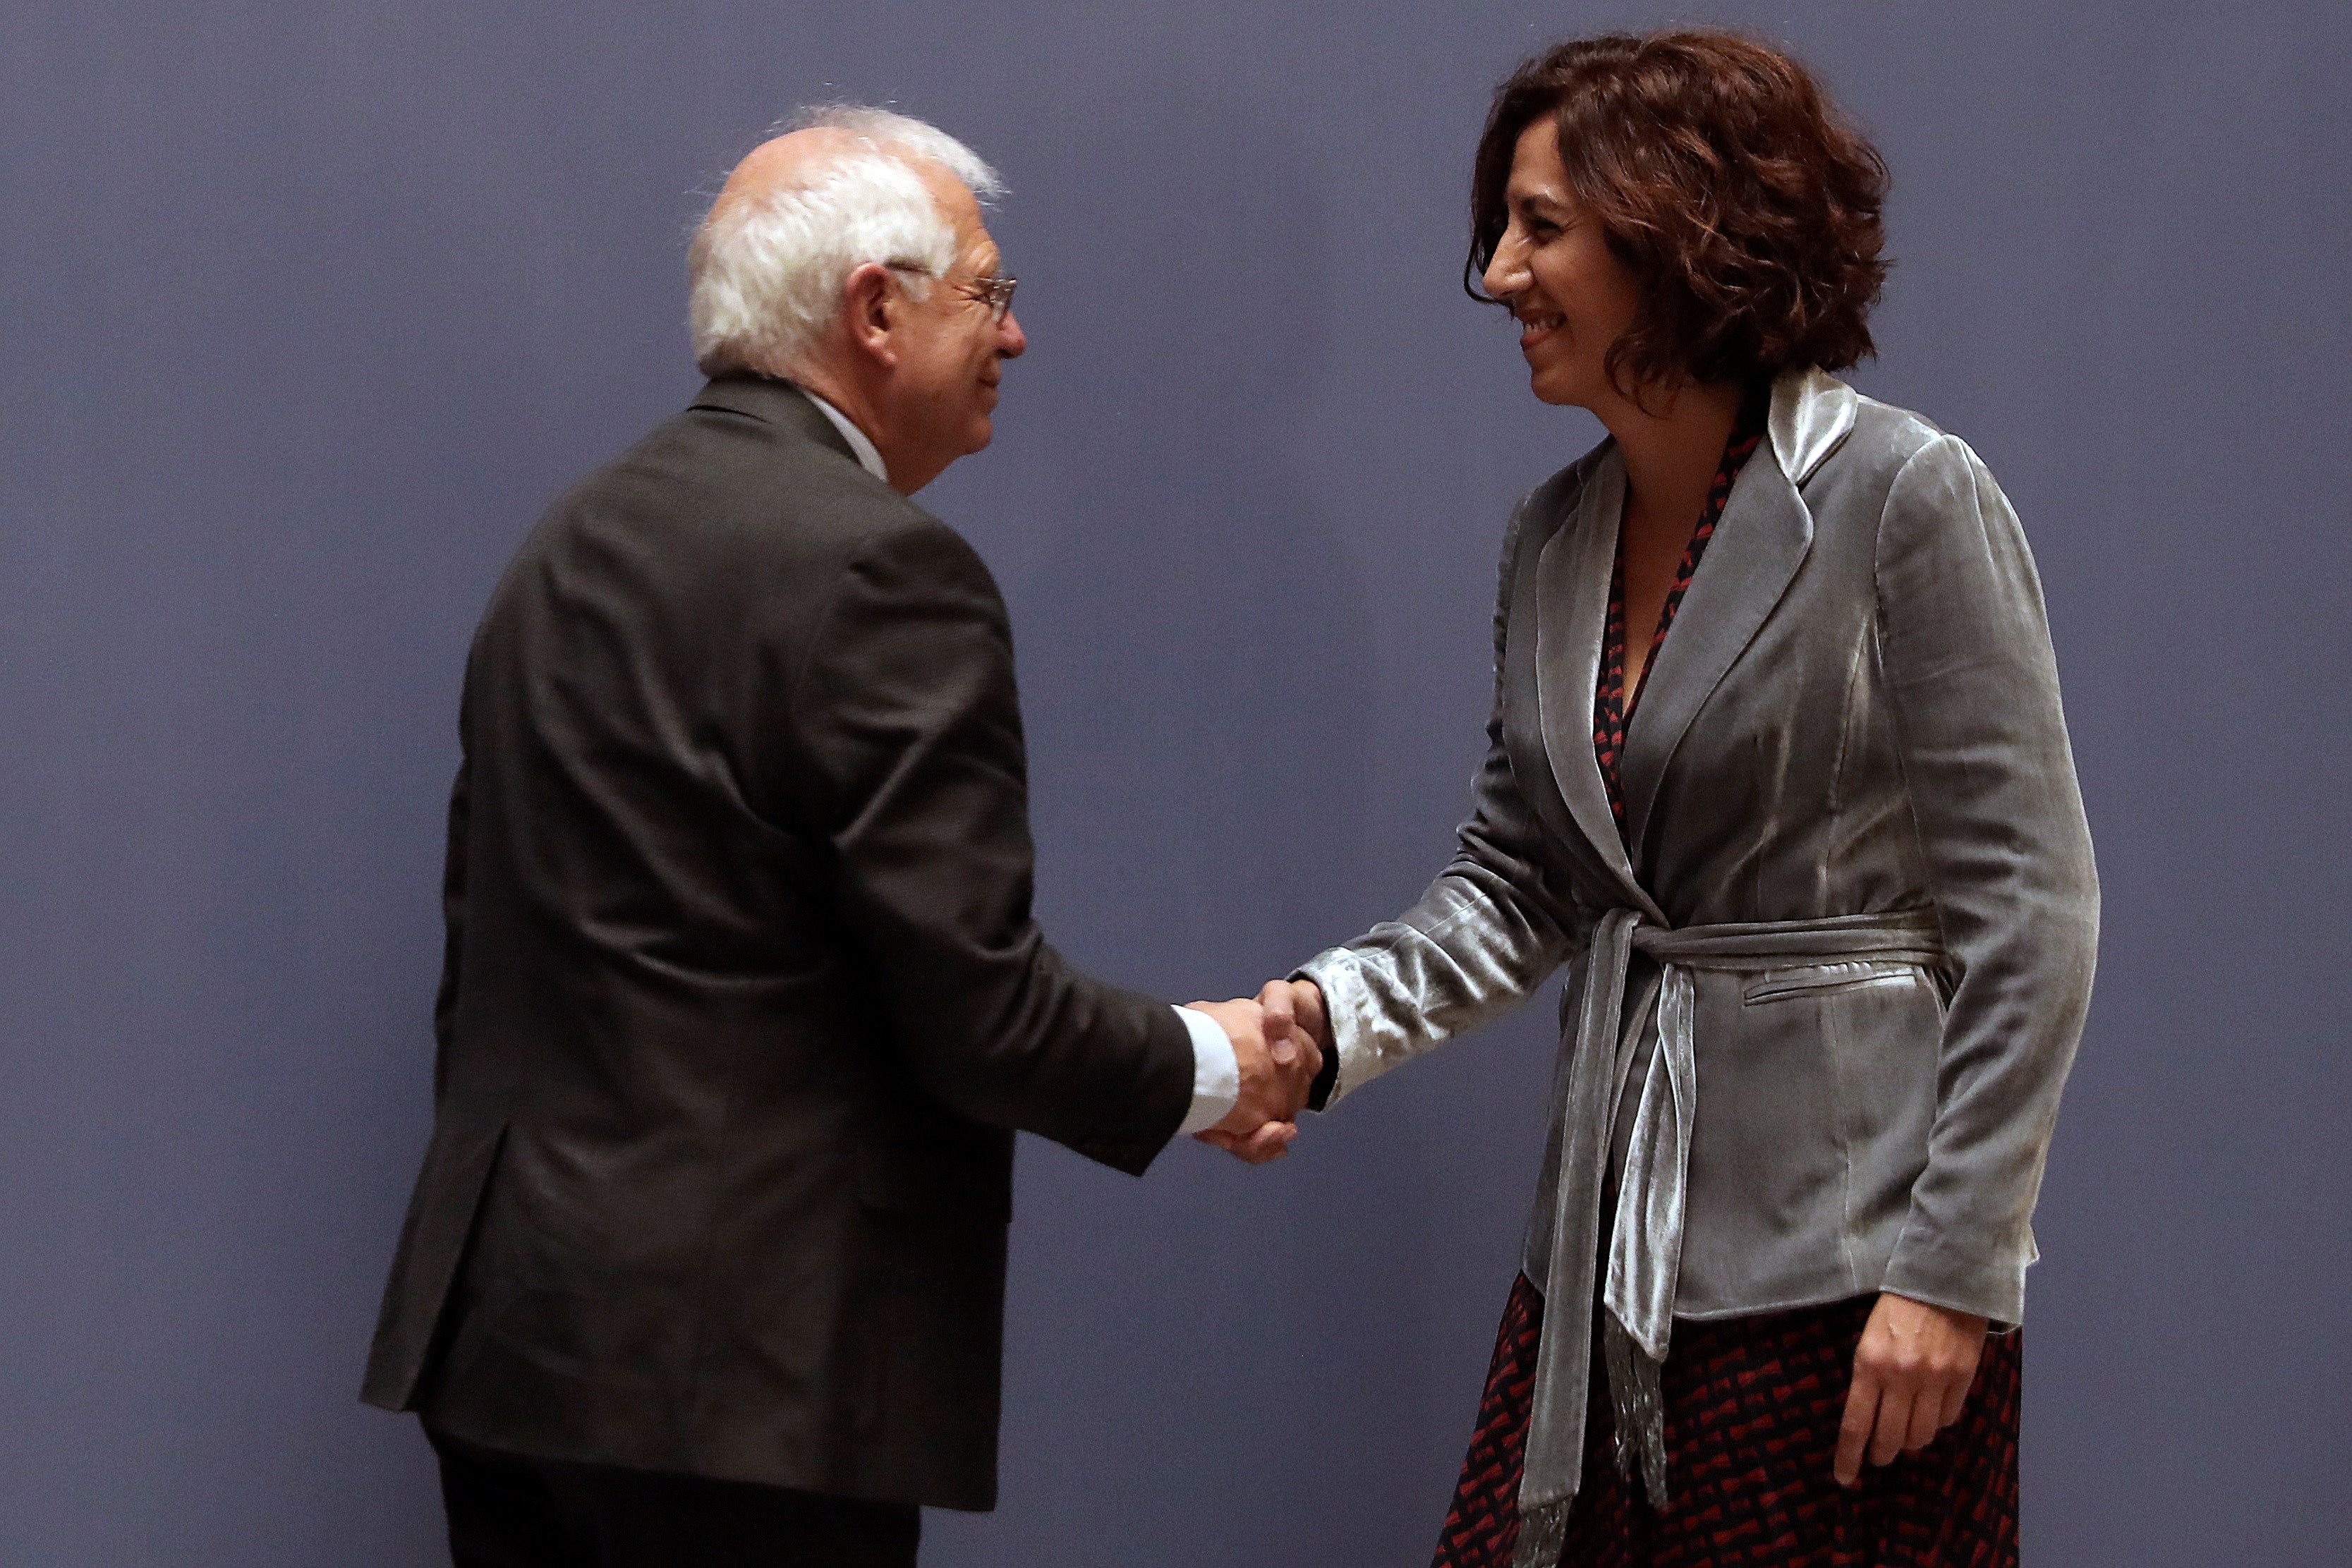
point(1777, 766)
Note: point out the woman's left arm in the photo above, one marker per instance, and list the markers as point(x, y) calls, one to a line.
point(1964, 645)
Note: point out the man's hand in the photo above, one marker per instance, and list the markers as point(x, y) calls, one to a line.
point(1277, 1069)
point(1293, 1010)
point(1911, 1374)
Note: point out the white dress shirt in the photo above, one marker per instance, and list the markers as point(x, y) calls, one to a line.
point(1216, 1074)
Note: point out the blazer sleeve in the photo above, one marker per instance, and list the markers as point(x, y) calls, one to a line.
point(1964, 644)
point(909, 721)
point(1482, 936)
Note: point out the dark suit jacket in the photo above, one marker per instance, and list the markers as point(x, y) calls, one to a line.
point(742, 996)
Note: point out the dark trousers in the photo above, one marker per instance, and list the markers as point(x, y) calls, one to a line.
point(509, 1511)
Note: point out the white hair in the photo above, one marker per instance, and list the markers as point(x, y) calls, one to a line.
point(765, 277)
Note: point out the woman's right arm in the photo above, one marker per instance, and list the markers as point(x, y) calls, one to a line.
point(1481, 938)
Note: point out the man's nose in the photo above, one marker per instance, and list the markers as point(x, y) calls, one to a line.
point(1012, 342)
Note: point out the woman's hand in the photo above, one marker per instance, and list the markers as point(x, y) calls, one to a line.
point(1911, 1375)
point(1295, 1008)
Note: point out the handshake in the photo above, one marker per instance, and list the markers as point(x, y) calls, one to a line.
point(1278, 1042)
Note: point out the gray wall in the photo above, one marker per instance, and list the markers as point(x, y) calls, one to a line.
point(306, 310)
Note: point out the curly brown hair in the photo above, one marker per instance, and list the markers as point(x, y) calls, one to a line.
point(1727, 182)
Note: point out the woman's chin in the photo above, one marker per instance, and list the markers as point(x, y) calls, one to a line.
point(1553, 389)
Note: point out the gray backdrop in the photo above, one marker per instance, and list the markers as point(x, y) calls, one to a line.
point(306, 310)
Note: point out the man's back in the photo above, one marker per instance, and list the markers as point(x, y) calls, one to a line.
point(742, 994)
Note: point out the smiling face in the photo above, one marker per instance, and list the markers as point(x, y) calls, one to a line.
point(951, 354)
point(1570, 295)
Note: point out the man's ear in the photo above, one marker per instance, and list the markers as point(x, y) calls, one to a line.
point(870, 301)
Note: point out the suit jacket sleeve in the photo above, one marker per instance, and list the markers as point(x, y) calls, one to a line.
point(907, 716)
point(1965, 644)
point(1482, 936)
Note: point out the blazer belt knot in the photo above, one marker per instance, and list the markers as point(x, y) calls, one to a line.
point(1646, 1240)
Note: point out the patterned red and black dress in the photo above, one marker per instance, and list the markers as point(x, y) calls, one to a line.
point(1752, 1403)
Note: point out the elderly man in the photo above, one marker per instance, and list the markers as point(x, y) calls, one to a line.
point(743, 999)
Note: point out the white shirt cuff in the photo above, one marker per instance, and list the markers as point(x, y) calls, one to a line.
point(1216, 1075)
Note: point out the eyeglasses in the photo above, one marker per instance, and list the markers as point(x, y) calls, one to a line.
point(994, 289)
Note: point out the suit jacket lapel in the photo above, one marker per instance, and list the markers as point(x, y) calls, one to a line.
point(1571, 610)
point(1759, 542)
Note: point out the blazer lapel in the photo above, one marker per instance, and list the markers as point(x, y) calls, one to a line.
point(1572, 592)
point(1547, 517)
point(1761, 540)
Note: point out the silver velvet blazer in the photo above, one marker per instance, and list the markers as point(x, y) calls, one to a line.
point(1817, 1021)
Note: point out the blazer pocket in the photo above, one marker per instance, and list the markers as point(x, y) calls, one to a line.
point(1826, 979)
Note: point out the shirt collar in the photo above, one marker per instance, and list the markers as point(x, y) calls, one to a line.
point(869, 457)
